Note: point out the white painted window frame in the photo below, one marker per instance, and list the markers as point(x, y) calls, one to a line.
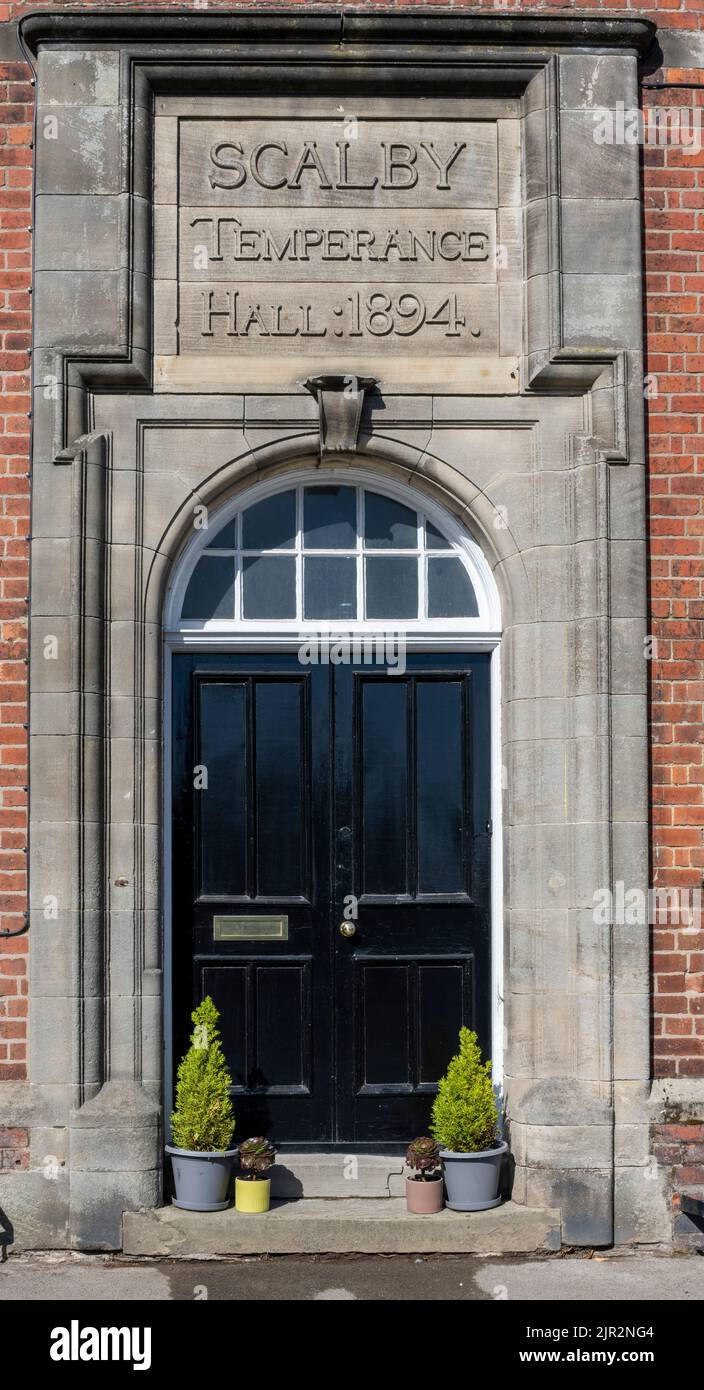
point(486, 623)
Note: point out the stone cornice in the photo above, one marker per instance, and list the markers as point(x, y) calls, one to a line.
point(343, 26)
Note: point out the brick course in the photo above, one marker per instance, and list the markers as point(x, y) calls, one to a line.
point(16, 107)
point(679, 1148)
point(674, 240)
point(14, 1149)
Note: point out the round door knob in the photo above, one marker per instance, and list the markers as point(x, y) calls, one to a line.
point(347, 929)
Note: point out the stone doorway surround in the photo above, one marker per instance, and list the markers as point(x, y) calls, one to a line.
point(549, 478)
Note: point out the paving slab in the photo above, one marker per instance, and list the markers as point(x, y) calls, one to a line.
point(345, 1226)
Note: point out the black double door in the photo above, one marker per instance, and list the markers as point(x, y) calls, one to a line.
point(331, 854)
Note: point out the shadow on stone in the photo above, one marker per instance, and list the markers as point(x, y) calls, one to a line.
point(285, 1186)
point(508, 1171)
point(7, 1234)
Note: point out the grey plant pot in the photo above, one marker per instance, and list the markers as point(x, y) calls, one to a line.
point(472, 1180)
point(202, 1180)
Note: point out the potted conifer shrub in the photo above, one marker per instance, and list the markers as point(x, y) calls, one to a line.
point(424, 1186)
point(464, 1122)
point(203, 1121)
point(252, 1189)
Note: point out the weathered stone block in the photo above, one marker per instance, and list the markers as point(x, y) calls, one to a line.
point(590, 169)
point(73, 78)
point(583, 1197)
point(602, 311)
point(641, 1207)
point(98, 1201)
point(589, 81)
point(598, 236)
point(34, 1211)
point(79, 150)
point(81, 308)
point(79, 232)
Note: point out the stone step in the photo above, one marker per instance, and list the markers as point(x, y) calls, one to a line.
point(337, 1175)
point(343, 1226)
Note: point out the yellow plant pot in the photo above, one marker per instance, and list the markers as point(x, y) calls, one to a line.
point(252, 1195)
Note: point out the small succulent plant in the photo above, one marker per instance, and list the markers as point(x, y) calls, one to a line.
point(256, 1155)
point(423, 1154)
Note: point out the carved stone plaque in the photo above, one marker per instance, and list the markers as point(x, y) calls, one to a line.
point(359, 243)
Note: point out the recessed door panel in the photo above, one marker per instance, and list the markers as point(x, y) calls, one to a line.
point(382, 790)
point(280, 788)
point(222, 825)
point(384, 1004)
point(228, 987)
point(282, 1027)
point(409, 1014)
point(445, 1003)
point(442, 791)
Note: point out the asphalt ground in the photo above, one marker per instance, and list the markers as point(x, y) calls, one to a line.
point(603, 1278)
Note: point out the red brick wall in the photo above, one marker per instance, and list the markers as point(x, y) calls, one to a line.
point(674, 263)
point(674, 192)
point(16, 96)
point(14, 1149)
point(679, 1148)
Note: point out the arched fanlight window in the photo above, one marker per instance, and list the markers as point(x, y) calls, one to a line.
point(330, 550)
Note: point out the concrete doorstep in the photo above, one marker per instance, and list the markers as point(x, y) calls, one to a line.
point(351, 1225)
point(339, 1204)
point(337, 1175)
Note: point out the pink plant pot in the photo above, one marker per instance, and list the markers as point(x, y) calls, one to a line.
point(423, 1198)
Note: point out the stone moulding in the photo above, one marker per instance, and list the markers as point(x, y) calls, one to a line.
point(110, 523)
point(344, 25)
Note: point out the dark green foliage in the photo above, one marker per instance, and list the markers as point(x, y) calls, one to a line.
point(203, 1120)
point(256, 1155)
point(423, 1154)
point(464, 1114)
